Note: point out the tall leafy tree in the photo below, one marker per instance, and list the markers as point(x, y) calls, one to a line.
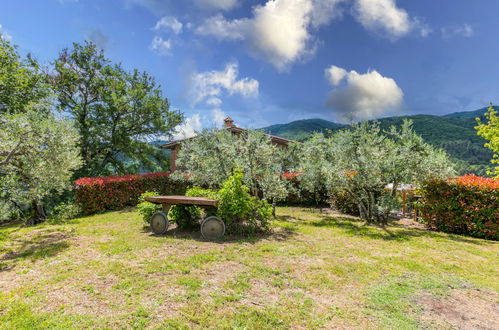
point(38, 155)
point(21, 81)
point(490, 132)
point(115, 111)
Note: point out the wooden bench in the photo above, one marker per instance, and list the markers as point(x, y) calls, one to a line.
point(211, 227)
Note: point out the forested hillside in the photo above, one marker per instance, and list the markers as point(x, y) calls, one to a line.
point(454, 132)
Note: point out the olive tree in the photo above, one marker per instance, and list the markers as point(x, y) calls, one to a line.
point(212, 156)
point(38, 154)
point(363, 160)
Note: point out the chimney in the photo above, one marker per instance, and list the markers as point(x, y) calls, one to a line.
point(228, 122)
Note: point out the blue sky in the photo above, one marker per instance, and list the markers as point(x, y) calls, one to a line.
point(266, 62)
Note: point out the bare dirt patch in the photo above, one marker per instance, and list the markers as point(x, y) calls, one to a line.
point(462, 309)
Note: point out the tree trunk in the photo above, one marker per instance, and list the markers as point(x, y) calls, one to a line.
point(38, 213)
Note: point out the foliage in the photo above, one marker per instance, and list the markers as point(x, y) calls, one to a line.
point(115, 112)
point(241, 212)
point(66, 210)
point(187, 217)
point(454, 133)
point(210, 159)
point(147, 209)
point(21, 82)
point(344, 203)
point(468, 205)
point(490, 132)
point(362, 161)
point(116, 192)
point(38, 155)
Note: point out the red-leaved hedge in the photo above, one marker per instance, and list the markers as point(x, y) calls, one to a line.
point(116, 192)
point(467, 205)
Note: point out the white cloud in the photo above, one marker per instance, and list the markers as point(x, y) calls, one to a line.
point(211, 85)
point(214, 101)
point(161, 46)
point(189, 128)
point(218, 117)
point(169, 23)
point(217, 4)
point(220, 28)
point(464, 30)
point(384, 16)
point(335, 74)
point(279, 30)
point(4, 34)
point(364, 96)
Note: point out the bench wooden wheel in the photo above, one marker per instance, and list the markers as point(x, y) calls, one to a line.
point(212, 228)
point(159, 223)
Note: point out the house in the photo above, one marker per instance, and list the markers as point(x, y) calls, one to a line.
point(228, 125)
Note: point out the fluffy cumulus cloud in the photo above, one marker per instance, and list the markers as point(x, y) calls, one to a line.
point(218, 117)
point(217, 4)
point(161, 46)
point(210, 86)
point(335, 74)
point(169, 23)
point(464, 30)
point(279, 31)
point(188, 128)
point(362, 96)
point(383, 16)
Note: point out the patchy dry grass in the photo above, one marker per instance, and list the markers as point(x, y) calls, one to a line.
point(316, 270)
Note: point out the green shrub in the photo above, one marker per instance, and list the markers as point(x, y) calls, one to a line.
point(467, 205)
point(67, 210)
point(344, 203)
point(187, 217)
point(147, 209)
point(241, 212)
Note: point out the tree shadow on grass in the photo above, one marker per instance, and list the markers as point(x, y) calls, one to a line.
point(391, 232)
point(34, 248)
point(276, 234)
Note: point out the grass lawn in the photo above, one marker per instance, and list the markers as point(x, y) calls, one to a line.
point(316, 270)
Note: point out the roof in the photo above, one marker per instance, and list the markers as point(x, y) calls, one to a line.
point(234, 129)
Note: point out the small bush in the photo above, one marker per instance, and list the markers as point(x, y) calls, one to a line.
point(187, 217)
point(468, 205)
point(241, 212)
point(67, 210)
point(147, 209)
point(344, 203)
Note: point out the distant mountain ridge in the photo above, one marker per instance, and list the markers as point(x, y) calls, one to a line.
point(453, 132)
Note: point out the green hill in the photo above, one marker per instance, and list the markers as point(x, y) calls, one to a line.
point(454, 132)
point(302, 129)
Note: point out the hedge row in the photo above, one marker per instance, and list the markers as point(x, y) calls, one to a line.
point(468, 205)
point(116, 192)
point(101, 194)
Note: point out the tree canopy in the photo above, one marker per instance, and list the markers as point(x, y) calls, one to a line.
point(490, 132)
point(211, 157)
point(21, 81)
point(38, 155)
point(116, 112)
point(363, 160)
